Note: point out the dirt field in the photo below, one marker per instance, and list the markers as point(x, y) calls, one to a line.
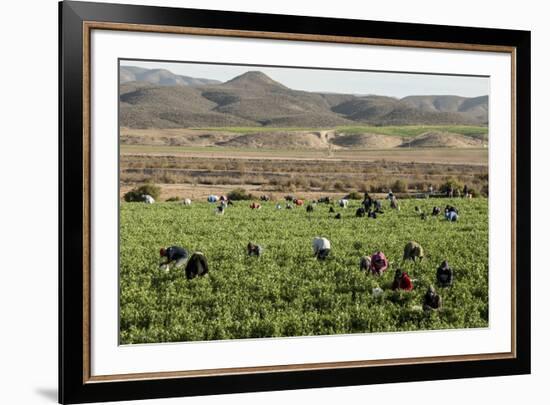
point(469, 156)
point(310, 162)
point(196, 174)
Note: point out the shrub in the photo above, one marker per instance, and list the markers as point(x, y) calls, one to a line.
point(363, 187)
point(239, 194)
point(301, 182)
point(354, 195)
point(377, 188)
point(326, 186)
point(339, 186)
point(315, 183)
point(419, 186)
point(485, 190)
point(173, 199)
point(136, 194)
point(451, 182)
point(399, 186)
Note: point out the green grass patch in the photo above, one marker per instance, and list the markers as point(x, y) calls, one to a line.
point(400, 130)
point(415, 130)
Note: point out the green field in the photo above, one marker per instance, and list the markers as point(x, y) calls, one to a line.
point(396, 130)
point(287, 292)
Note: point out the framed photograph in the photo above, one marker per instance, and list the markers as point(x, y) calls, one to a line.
point(254, 202)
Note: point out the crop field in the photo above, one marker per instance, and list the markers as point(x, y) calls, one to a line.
point(286, 291)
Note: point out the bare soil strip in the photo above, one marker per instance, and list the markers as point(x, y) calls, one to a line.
point(468, 156)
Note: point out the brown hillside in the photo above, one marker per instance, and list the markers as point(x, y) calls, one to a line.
point(442, 140)
point(367, 141)
point(254, 99)
point(278, 140)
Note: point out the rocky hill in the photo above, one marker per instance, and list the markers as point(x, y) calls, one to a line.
point(157, 98)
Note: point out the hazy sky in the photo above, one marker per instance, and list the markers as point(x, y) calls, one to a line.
point(337, 81)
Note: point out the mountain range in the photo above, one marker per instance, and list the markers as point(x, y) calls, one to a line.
point(158, 98)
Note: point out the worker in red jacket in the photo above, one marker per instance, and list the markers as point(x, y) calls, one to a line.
point(402, 281)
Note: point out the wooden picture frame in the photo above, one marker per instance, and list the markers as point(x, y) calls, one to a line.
point(79, 19)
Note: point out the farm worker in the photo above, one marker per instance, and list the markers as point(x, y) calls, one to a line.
point(378, 263)
point(220, 209)
point(393, 203)
point(367, 202)
point(255, 206)
point(289, 206)
point(371, 214)
point(309, 208)
point(360, 212)
point(402, 281)
point(390, 195)
point(187, 201)
point(172, 254)
point(465, 190)
point(212, 198)
point(331, 210)
point(432, 301)
point(321, 248)
point(444, 275)
point(196, 266)
point(431, 189)
point(298, 202)
point(254, 250)
point(451, 216)
point(364, 263)
point(412, 251)
point(343, 203)
point(378, 206)
point(147, 199)
point(338, 216)
point(278, 206)
point(264, 197)
point(451, 208)
point(436, 211)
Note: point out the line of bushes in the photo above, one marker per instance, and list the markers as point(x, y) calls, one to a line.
point(137, 194)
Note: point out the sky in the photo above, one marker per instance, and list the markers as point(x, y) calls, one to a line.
point(336, 81)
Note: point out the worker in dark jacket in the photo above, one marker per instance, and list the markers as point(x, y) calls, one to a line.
point(444, 275)
point(368, 202)
point(196, 266)
point(173, 254)
point(253, 250)
point(432, 301)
